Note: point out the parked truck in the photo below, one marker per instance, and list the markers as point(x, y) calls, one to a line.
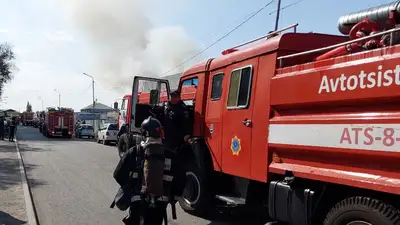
point(27, 118)
point(58, 122)
point(301, 126)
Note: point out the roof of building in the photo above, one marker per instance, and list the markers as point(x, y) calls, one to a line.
point(98, 108)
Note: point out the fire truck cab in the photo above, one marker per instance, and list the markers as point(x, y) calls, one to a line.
point(302, 126)
point(58, 122)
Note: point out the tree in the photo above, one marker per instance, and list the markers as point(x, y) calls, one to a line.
point(7, 66)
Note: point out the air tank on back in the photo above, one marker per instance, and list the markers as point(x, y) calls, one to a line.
point(379, 14)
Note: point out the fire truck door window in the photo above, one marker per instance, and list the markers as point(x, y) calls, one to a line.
point(164, 97)
point(124, 104)
point(190, 82)
point(216, 89)
point(188, 91)
point(239, 88)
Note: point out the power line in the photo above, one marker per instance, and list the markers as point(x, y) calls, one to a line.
point(221, 38)
point(287, 6)
point(219, 30)
point(86, 89)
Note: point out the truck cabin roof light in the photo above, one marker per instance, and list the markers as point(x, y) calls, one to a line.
point(228, 51)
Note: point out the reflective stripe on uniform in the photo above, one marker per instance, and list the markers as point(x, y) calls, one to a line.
point(168, 177)
point(163, 199)
point(135, 175)
point(135, 198)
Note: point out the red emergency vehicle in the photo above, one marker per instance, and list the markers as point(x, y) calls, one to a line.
point(27, 118)
point(304, 124)
point(58, 122)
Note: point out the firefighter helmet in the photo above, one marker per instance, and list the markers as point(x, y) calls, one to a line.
point(151, 127)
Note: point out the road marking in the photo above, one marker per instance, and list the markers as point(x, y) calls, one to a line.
point(373, 137)
point(30, 208)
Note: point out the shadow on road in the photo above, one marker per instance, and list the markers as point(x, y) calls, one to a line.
point(23, 147)
point(39, 137)
point(7, 219)
point(10, 172)
point(236, 216)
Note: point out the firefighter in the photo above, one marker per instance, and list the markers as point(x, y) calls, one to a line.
point(156, 176)
point(13, 125)
point(2, 123)
point(176, 122)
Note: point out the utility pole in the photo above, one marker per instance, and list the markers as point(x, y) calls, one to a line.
point(59, 99)
point(92, 93)
point(277, 15)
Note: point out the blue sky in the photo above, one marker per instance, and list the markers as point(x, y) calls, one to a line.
point(53, 51)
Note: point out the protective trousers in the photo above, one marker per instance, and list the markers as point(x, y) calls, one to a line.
point(155, 214)
point(1, 133)
point(11, 134)
point(141, 213)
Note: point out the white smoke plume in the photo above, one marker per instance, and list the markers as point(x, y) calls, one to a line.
point(123, 41)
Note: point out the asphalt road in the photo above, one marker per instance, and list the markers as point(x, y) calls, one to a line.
point(71, 182)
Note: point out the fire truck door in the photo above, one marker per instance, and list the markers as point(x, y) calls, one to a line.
point(145, 84)
point(237, 121)
point(213, 119)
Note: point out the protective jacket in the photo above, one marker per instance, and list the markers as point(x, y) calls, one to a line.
point(176, 124)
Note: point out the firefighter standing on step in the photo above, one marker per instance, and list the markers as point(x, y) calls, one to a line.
point(155, 173)
point(176, 122)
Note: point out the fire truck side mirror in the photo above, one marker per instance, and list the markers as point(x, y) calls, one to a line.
point(154, 97)
point(116, 105)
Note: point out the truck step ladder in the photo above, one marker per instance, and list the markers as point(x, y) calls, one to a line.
point(231, 200)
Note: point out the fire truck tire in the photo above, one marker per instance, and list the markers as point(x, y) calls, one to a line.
point(362, 210)
point(199, 201)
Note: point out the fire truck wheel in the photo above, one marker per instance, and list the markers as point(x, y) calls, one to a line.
point(362, 211)
point(197, 198)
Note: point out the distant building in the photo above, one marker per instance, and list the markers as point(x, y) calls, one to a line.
point(11, 113)
point(99, 108)
point(100, 114)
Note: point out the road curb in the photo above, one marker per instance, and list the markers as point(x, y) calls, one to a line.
point(30, 208)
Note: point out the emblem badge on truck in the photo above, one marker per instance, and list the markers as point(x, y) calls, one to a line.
point(235, 146)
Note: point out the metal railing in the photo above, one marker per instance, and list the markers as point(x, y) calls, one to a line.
point(294, 26)
point(391, 31)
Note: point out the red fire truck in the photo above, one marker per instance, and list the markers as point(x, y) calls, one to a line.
point(58, 122)
point(27, 118)
point(304, 124)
